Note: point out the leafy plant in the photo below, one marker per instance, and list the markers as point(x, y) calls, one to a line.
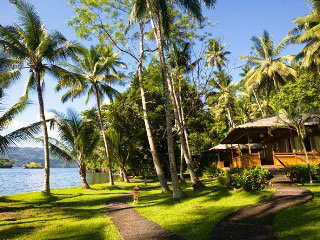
point(253, 179)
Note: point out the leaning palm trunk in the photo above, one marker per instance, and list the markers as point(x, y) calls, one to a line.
point(177, 192)
point(196, 183)
point(124, 174)
point(111, 182)
point(83, 174)
point(257, 100)
point(181, 177)
point(46, 183)
point(232, 125)
point(156, 162)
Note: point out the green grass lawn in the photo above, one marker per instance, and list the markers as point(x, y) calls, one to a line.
point(78, 213)
point(68, 214)
point(193, 217)
point(300, 222)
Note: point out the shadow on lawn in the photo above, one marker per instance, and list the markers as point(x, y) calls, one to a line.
point(300, 222)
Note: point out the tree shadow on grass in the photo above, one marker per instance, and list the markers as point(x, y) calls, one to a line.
point(300, 222)
point(15, 232)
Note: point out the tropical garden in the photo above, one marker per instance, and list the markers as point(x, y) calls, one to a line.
point(180, 99)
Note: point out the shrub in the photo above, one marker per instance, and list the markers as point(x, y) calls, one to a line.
point(299, 173)
point(212, 171)
point(252, 179)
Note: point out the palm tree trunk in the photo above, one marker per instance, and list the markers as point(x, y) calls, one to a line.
point(177, 191)
point(154, 152)
point(257, 100)
point(111, 182)
point(46, 182)
point(83, 174)
point(124, 173)
point(230, 117)
point(308, 161)
point(196, 183)
point(181, 177)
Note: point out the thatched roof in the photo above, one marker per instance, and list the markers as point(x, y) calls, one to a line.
point(222, 147)
point(261, 130)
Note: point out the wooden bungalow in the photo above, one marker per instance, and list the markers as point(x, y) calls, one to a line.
point(223, 154)
point(280, 145)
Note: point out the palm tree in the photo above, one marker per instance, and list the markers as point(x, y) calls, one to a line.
point(153, 149)
point(157, 11)
point(224, 96)
point(21, 134)
point(77, 140)
point(216, 55)
point(268, 69)
point(307, 32)
point(245, 70)
point(294, 120)
point(92, 73)
point(30, 46)
point(180, 61)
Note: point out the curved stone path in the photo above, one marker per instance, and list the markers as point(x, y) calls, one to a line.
point(255, 222)
point(133, 226)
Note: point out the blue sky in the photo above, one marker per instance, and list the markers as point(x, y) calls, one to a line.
point(237, 21)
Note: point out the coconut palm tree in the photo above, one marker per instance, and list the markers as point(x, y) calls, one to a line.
point(30, 46)
point(307, 32)
point(21, 134)
point(216, 55)
point(77, 140)
point(157, 12)
point(223, 96)
point(268, 69)
point(92, 72)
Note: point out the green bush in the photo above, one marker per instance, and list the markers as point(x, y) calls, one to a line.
point(299, 173)
point(212, 171)
point(252, 179)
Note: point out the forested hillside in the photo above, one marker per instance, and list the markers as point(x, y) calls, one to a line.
point(23, 155)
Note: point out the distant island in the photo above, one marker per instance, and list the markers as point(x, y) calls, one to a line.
point(33, 165)
point(6, 163)
point(24, 155)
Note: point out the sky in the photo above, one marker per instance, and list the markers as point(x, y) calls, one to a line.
point(237, 21)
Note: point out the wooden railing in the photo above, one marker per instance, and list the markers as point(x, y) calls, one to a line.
point(247, 161)
point(283, 159)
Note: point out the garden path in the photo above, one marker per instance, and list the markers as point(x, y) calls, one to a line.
point(255, 222)
point(133, 226)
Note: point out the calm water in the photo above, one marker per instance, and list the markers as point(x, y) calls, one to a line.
point(20, 180)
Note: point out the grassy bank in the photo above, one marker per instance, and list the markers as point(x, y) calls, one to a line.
point(194, 217)
point(80, 213)
point(67, 214)
point(300, 222)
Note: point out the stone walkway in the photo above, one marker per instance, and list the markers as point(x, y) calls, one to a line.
point(133, 226)
point(255, 222)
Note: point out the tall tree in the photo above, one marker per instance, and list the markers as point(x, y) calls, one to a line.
point(154, 152)
point(157, 11)
point(268, 69)
point(30, 46)
point(223, 97)
point(216, 55)
point(92, 72)
point(77, 140)
point(307, 32)
point(180, 61)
